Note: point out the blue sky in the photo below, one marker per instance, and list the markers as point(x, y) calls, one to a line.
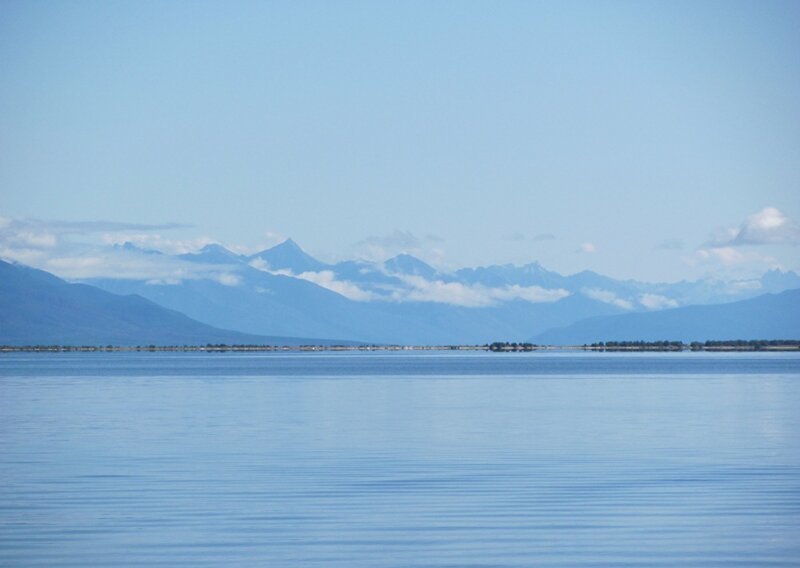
point(648, 140)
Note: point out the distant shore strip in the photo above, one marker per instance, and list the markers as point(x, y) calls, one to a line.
point(496, 347)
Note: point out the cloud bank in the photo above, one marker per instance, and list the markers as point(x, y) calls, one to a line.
point(473, 296)
point(766, 227)
point(50, 246)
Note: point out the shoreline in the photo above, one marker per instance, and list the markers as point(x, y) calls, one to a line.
point(723, 347)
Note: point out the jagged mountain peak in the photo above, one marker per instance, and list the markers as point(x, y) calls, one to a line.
point(214, 254)
point(288, 255)
point(405, 263)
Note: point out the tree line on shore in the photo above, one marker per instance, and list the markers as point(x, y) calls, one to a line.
point(497, 347)
point(711, 345)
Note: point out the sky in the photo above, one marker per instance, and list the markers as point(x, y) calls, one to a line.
point(656, 141)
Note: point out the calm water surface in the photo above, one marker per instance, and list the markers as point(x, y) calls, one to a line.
point(399, 459)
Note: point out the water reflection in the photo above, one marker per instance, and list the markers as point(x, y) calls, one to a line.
point(134, 461)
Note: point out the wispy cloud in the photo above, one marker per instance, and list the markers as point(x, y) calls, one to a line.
point(657, 302)
point(587, 248)
point(327, 279)
point(83, 227)
point(53, 246)
point(724, 255)
point(456, 293)
point(99, 262)
point(544, 237)
point(607, 297)
point(159, 242)
point(733, 249)
point(229, 279)
point(413, 288)
point(731, 256)
point(766, 227)
point(324, 278)
point(20, 237)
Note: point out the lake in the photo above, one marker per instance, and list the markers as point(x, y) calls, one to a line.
point(400, 459)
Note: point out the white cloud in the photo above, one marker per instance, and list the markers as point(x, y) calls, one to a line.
point(533, 294)
point(768, 226)
point(587, 248)
point(324, 278)
point(75, 246)
point(738, 287)
point(607, 297)
point(422, 290)
point(657, 302)
point(116, 264)
point(724, 255)
point(419, 289)
point(327, 279)
point(228, 279)
point(40, 233)
point(730, 256)
point(260, 264)
point(31, 257)
point(158, 242)
point(458, 294)
point(34, 244)
point(16, 234)
point(163, 282)
point(36, 240)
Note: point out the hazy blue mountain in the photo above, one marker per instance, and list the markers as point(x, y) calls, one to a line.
point(769, 316)
point(259, 301)
point(532, 274)
point(214, 254)
point(778, 280)
point(587, 279)
point(382, 279)
point(410, 266)
point(379, 302)
point(264, 303)
point(289, 256)
point(637, 294)
point(37, 308)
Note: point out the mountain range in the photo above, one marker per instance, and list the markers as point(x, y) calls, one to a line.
point(283, 293)
point(769, 316)
point(37, 308)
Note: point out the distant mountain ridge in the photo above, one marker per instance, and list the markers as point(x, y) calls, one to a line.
point(287, 292)
point(770, 316)
point(38, 308)
point(288, 256)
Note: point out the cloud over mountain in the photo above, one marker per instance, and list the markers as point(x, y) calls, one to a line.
point(768, 226)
